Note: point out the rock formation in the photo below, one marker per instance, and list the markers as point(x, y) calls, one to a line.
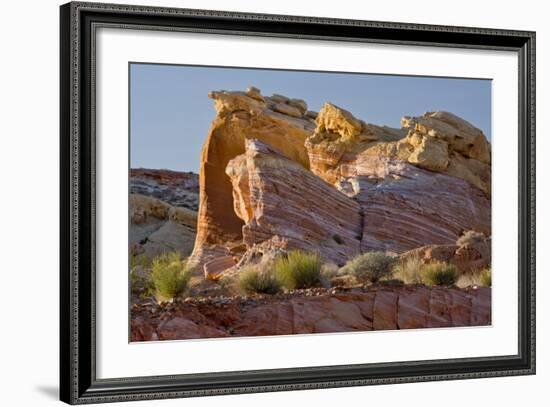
point(163, 215)
point(467, 256)
point(276, 196)
point(241, 116)
point(179, 189)
point(380, 308)
point(277, 176)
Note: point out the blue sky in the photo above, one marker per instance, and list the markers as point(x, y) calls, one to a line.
point(171, 112)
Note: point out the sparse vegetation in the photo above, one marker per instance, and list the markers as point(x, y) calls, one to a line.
point(485, 278)
point(299, 270)
point(329, 271)
point(408, 270)
point(370, 267)
point(253, 280)
point(470, 237)
point(140, 281)
point(170, 276)
point(439, 273)
point(139, 260)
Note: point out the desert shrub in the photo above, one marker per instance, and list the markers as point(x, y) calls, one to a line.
point(439, 273)
point(140, 260)
point(170, 276)
point(370, 267)
point(470, 237)
point(140, 282)
point(485, 278)
point(329, 271)
point(254, 280)
point(408, 270)
point(298, 270)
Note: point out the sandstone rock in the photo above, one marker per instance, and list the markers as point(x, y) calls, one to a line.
point(381, 308)
point(467, 258)
point(405, 207)
point(239, 117)
point(420, 185)
point(283, 199)
point(214, 269)
point(279, 98)
point(337, 123)
point(157, 227)
point(299, 104)
point(255, 93)
point(179, 189)
point(144, 208)
point(181, 328)
point(287, 109)
point(183, 216)
point(429, 153)
point(442, 143)
point(460, 135)
point(169, 237)
point(311, 114)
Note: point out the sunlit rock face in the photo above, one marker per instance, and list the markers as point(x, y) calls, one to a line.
point(276, 176)
point(276, 196)
point(241, 116)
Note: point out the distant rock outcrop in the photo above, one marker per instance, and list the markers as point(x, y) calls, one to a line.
point(163, 215)
point(173, 187)
point(274, 174)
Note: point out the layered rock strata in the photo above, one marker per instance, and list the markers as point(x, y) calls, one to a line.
point(157, 227)
point(276, 196)
point(275, 176)
point(241, 116)
point(380, 308)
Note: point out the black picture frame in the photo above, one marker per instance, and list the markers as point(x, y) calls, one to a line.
point(78, 382)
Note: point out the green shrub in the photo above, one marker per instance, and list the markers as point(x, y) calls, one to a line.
point(408, 270)
point(254, 280)
point(299, 270)
point(170, 276)
point(485, 277)
point(370, 267)
point(438, 273)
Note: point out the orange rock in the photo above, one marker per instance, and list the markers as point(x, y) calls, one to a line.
point(238, 117)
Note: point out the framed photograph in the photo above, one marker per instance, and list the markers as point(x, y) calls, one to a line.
point(255, 203)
